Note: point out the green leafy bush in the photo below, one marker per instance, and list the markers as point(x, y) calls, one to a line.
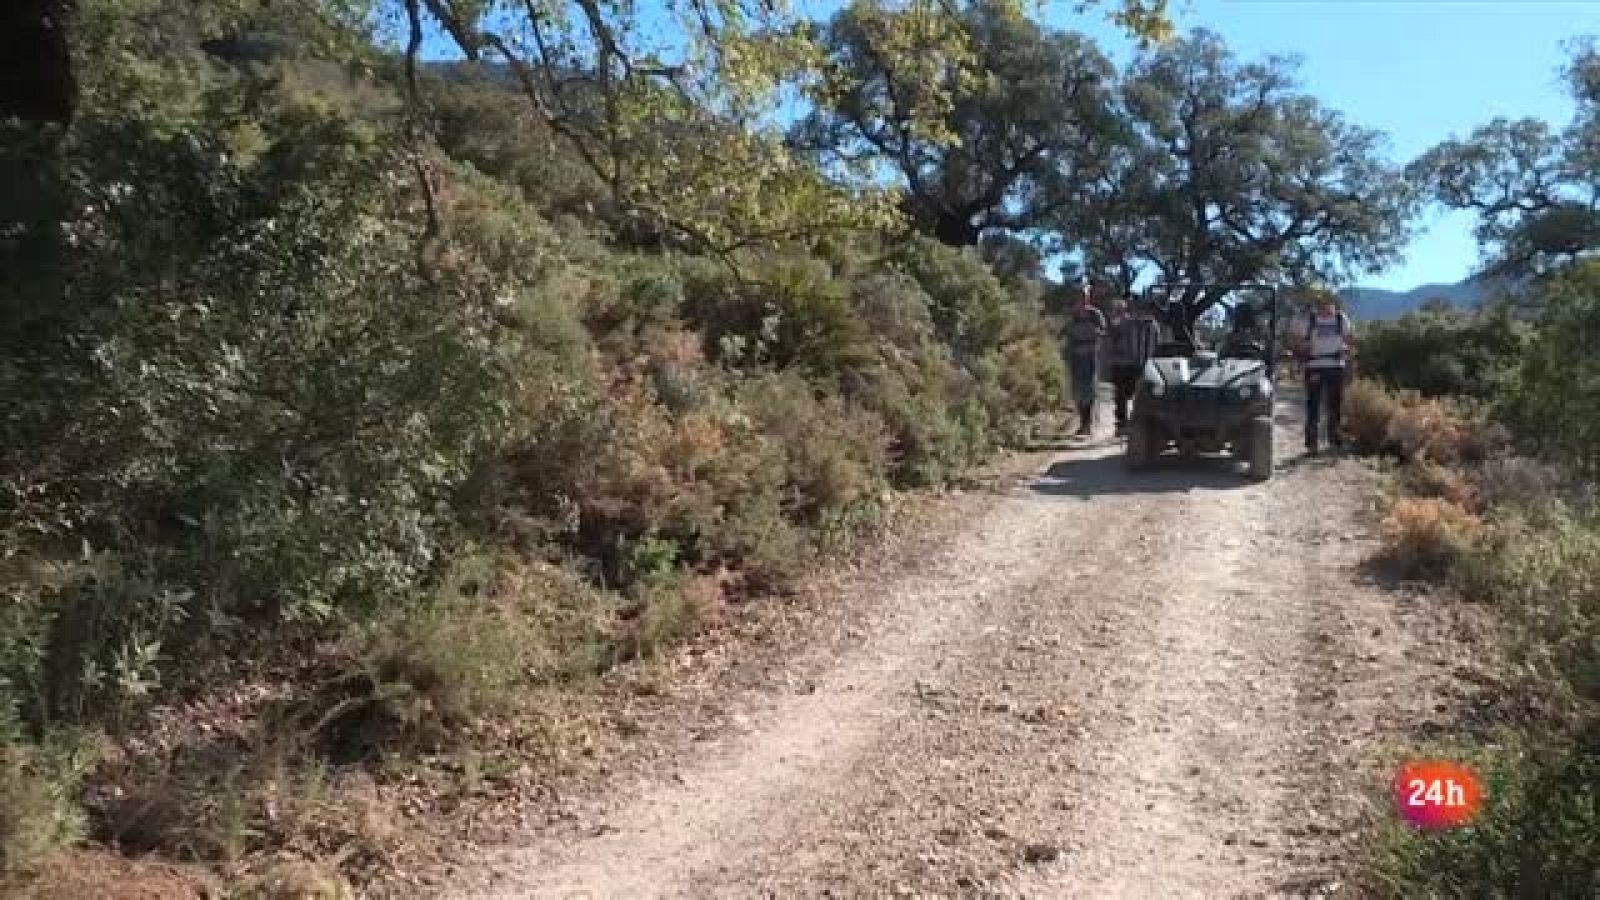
point(1539, 563)
point(969, 307)
point(1032, 374)
point(422, 677)
point(1553, 401)
point(1443, 352)
point(1366, 414)
point(288, 354)
point(917, 393)
point(259, 408)
point(1537, 836)
point(788, 312)
point(835, 453)
point(39, 782)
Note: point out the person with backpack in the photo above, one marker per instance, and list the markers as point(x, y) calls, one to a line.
point(1085, 328)
point(1326, 352)
point(1134, 337)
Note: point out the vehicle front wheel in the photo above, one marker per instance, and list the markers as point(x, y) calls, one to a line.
point(1260, 444)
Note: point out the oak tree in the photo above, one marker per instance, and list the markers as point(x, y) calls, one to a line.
point(1229, 173)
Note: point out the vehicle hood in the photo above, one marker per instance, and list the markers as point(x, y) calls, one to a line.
point(1219, 373)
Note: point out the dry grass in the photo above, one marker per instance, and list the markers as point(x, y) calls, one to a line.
point(38, 808)
point(296, 880)
point(92, 874)
point(228, 805)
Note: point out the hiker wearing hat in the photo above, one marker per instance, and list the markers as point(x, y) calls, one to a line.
point(1133, 341)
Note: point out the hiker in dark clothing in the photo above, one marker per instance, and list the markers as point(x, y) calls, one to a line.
point(1085, 329)
point(1133, 342)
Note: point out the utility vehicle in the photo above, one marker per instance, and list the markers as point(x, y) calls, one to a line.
point(1209, 386)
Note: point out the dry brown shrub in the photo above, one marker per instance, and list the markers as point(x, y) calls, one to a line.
point(1484, 441)
point(1425, 535)
point(706, 594)
point(1428, 429)
point(697, 440)
point(1426, 478)
point(679, 346)
point(1365, 414)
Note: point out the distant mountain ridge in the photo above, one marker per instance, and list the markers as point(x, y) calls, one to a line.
point(1377, 303)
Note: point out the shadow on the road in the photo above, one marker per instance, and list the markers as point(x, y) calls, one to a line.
point(1388, 575)
point(1104, 475)
point(1307, 461)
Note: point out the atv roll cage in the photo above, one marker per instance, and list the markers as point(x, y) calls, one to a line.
point(1181, 305)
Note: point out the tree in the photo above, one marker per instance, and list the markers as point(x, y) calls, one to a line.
point(1228, 174)
point(1558, 385)
point(666, 102)
point(1535, 191)
point(667, 118)
point(977, 143)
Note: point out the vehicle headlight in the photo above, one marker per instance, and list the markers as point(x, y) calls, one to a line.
point(1246, 391)
point(1157, 388)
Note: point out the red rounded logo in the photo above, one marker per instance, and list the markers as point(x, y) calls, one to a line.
point(1436, 794)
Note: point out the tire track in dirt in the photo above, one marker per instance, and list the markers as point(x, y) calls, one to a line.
point(1107, 685)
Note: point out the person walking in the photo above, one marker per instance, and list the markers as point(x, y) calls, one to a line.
point(1085, 329)
point(1327, 356)
point(1133, 341)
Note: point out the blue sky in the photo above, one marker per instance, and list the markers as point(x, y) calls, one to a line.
point(1419, 70)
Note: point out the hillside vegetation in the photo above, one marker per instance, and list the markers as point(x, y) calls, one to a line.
point(1492, 417)
point(356, 406)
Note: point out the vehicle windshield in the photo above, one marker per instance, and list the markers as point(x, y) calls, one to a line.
point(1240, 317)
point(1243, 315)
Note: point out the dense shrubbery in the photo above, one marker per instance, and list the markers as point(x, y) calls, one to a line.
point(263, 414)
point(256, 408)
point(1557, 391)
point(1443, 352)
point(1519, 535)
point(1539, 834)
point(1540, 561)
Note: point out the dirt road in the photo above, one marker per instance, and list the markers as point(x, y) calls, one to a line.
point(1099, 684)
